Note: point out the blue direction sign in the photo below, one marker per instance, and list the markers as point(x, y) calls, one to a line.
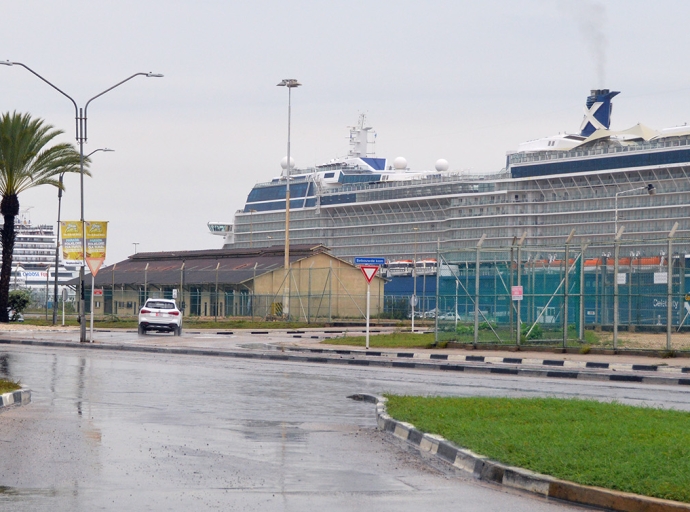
point(370, 261)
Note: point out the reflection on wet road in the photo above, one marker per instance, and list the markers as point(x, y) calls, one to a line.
point(122, 431)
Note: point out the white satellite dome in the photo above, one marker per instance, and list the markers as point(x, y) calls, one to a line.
point(441, 165)
point(283, 163)
point(400, 163)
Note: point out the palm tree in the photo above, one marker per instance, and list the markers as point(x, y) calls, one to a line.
point(26, 162)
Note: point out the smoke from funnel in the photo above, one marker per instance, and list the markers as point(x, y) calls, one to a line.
point(591, 16)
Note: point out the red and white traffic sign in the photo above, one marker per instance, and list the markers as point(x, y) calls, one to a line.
point(98, 292)
point(369, 271)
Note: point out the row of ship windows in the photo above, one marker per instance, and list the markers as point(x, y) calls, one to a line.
point(455, 188)
point(626, 210)
point(473, 234)
point(584, 223)
point(629, 201)
point(573, 207)
point(574, 220)
point(668, 180)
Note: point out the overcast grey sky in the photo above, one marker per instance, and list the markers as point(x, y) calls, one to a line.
point(460, 80)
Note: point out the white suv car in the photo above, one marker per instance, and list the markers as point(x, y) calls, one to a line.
point(160, 315)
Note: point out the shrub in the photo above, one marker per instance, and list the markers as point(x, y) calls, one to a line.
point(537, 332)
point(18, 301)
point(485, 326)
point(465, 329)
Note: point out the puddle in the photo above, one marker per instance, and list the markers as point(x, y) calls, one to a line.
point(258, 346)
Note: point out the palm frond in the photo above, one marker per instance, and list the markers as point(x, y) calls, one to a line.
point(26, 158)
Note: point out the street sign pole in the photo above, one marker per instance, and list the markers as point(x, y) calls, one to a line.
point(368, 302)
point(92, 293)
point(369, 272)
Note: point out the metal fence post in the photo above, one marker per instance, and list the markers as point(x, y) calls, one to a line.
point(181, 298)
point(476, 289)
point(253, 292)
point(581, 330)
point(510, 307)
point(616, 255)
point(519, 281)
point(565, 289)
point(309, 294)
point(215, 309)
point(669, 286)
point(146, 284)
point(438, 288)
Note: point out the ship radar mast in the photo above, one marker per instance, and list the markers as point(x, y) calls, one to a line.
point(360, 140)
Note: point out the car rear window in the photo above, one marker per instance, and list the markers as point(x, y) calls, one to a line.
point(160, 305)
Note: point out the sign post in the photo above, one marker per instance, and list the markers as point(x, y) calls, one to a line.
point(96, 233)
point(516, 294)
point(64, 299)
point(369, 272)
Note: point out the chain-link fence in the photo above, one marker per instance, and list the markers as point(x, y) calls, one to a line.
point(625, 294)
point(313, 295)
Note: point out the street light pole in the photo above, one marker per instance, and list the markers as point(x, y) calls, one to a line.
point(57, 238)
point(80, 119)
point(290, 83)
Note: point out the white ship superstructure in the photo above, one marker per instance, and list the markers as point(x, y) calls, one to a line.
point(591, 181)
point(33, 259)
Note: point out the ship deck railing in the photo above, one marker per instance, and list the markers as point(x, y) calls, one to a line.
point(518, 158)
point(452, 177)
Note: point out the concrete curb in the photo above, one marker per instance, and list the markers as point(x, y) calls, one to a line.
point(551, 363)
point(19, 397)
point(516, 478)
point(341, 357)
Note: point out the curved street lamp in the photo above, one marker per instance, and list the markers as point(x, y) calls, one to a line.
point(651, 190)
point(80, 120)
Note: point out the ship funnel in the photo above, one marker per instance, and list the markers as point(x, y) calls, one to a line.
point(597, 111)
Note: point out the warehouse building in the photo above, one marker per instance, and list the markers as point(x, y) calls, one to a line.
point(239, 283)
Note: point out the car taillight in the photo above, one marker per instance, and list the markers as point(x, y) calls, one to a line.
point(174, 313)
point(144, 311)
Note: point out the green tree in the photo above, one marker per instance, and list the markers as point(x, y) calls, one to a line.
point(26, 161)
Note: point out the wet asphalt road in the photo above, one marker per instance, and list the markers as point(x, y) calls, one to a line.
point(128, 431)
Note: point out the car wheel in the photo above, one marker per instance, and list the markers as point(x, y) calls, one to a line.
point(141, 329)
point(178, 331)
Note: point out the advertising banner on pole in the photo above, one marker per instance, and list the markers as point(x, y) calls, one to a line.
point(96, 234)
point(71, 232)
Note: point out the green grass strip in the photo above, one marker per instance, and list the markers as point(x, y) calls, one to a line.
point(633, 449)
point(6, 386)
point(392, 340)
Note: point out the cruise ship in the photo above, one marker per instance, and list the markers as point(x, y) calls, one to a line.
point(591, 181)
point(33, 259)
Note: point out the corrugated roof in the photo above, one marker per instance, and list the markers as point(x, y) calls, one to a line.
point(229, 266)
